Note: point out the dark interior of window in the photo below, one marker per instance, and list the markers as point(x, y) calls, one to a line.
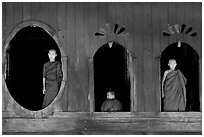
point(26, 54)
point(110, 72)
point(188, 63)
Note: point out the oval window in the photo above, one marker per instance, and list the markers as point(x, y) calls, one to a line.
point(26, 54)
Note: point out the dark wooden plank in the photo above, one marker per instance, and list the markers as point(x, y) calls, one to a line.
point(80, 61)
point(35, 10)
point(197, 27)
point(53, 15)
point(180, 18)
point(71, 52)
point(102, 21)
point(44, 14)
point(84, 124)
point(138, 54)
point(129, 25)
point(93, 25)
point(26, 11)
point(3, 42)
point(62, 26)
point(3, 22)
point(9, 19)
point(172, 20)
point(86, 53)
point(18, 13)
point(111, 14)
point(155, 55)
point(197, 21)
point(164, 24)
point(188, 22)
point(147, 61)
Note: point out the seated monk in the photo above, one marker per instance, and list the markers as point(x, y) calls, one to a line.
point(173, 88)
point(111, 104)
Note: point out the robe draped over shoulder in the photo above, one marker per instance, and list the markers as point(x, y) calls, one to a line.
point(52, 73)
point(174, 91)
point(111, 105)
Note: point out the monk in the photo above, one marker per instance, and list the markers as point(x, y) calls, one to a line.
point(111, 104)
point(52, 77)
point(173, 88)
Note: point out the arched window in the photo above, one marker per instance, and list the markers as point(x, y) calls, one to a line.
point(188, 63)
point(111, 71)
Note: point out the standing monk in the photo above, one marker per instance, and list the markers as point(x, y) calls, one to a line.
point(52, 77)
point(173, 88)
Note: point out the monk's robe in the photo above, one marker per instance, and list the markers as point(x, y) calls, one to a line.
point(52, 73)
point(174, 91)
point(111, 105)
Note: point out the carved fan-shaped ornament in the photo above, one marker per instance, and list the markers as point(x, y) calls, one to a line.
point(108, 35)
point(179, 29)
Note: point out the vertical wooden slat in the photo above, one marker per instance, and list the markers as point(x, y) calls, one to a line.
point(93, 40)
point(93, 25)
point(172, 20)
point(138, 52)
point(147, 28)
point(129, 26)
point(156, 54)
point(121, 16)
point(71, 51)
point(86, 29)
point(53, 14)
point(197, 21)
point(91, 86)
point(80, 48)
point(35, 10)
point(180, 17)
point(62, 26)
point(164, 24)
point(197, 27)
point(44, 14)
point(102, 21)
point(3, 42)
point(9, 19)
point(189, 22)
point(111, 14)
point(9, 25)
point(86, 56)
point(18, 13)
point(26, 11)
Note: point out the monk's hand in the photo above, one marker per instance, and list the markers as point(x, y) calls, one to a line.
point(43, 90)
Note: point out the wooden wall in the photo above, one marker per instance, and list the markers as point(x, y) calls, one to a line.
point(79, 21)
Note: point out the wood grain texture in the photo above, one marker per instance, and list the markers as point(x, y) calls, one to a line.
point(147, 60)
point(126, 123)
point(78, 23)
point(138, 54)
point(155, 55)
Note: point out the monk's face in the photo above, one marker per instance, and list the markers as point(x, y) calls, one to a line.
point(172, 64)
point(52, 54)
point(110, 96)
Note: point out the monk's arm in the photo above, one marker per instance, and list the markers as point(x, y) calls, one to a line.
point(164, 77)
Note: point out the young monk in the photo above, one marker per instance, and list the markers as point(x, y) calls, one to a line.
point(52, 77)
point(173, 88)
point(111, 104)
